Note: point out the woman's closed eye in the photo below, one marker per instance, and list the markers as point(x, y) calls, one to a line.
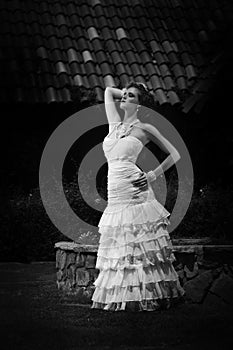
point(129, 95)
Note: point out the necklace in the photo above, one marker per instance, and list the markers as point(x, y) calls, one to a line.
point(123, 130)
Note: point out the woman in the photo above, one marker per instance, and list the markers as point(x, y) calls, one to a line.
point(135, 251)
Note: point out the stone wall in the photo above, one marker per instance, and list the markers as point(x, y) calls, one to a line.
point(205, 271)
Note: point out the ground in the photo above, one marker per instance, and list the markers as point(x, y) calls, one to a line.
point(36, 315)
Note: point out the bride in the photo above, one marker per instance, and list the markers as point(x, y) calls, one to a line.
point(135, 251)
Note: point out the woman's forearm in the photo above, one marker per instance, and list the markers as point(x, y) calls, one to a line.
point(166, 164)
point(113, 92)
point(152, 175)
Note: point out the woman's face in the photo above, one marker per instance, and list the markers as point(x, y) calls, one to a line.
point(130, 99)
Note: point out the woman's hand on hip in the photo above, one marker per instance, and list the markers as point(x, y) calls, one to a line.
point(141, 182)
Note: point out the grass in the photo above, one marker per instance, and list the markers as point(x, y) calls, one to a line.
point(36, 315)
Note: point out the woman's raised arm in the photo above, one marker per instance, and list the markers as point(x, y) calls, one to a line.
point(110, 94)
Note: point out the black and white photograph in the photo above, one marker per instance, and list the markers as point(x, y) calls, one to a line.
point(116, 211)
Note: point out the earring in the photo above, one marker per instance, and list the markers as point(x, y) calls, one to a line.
point(138, 107)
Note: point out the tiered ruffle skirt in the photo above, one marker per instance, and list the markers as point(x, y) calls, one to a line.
point(135, 259)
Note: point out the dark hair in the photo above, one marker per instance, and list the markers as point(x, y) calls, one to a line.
point(145, 97)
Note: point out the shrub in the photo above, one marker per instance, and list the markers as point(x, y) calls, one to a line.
point(27, 232)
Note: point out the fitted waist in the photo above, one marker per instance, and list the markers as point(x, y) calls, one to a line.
point(122, 167)
point(117, 160)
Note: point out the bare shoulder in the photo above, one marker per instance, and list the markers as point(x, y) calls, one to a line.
point(149, 129)
point(142, 132)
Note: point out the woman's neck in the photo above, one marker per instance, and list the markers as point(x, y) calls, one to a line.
point(129, 118)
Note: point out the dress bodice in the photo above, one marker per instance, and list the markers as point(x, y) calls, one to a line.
point(125, 148)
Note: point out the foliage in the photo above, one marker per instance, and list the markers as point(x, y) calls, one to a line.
point(28, 234)
point(210, 213)
point(26, 231)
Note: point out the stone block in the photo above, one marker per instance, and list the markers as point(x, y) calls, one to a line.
point(82, 277)
point(182, 277)
point(191, 273)
point(62, 260)
point(197, 288)
point(223, 287)
point(228, 270)
point(59, 275)
point(88, 292)
point(214, 302)
point(60, 284)
point(90, 261)
point(70, 259)
point(93, 274)
point(67, 286)
point(58, 258)
point(216, 272)
point(71, 274)
point(80, 260)
point(199, 254)
point(84, 294)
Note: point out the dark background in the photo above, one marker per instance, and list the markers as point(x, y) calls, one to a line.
point(26, 231)
point(207, 135)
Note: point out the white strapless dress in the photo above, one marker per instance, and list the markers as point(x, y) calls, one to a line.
point(135, 251)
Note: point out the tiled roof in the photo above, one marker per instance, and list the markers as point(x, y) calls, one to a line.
point(49, 46)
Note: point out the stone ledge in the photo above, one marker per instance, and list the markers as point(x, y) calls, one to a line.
point(198, 268)
point(187, 248)
point(76, 247)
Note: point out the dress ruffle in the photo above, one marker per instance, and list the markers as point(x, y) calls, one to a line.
point(144, 296)
point(135, 263)
point(120, 214)
point(127, 246)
